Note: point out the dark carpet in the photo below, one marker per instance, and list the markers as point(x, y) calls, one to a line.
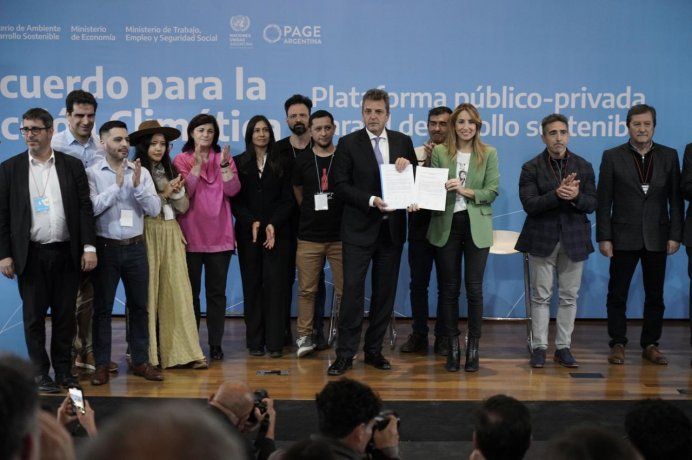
point(442, 429)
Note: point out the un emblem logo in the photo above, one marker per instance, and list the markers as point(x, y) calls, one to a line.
point(240, 23)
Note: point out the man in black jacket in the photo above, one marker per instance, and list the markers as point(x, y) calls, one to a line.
point(370, 231)
point(46, 238)
point(557, 189)
point(421, 253)
point(639, 217)
point(687, 194)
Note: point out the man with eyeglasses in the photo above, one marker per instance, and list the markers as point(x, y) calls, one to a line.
point(46, 238)
point(298, 108)
point(79, 141)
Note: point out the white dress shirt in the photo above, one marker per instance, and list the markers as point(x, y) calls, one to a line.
point(111, 201)
point(384, 149)
point(48, 226)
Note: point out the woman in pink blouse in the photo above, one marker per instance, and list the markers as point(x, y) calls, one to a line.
point(211, 179)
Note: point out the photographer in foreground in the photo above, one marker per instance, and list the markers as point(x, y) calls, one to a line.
point(243, 411)
point(351, 421)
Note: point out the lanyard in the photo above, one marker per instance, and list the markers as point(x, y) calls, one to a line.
point(559, 175)
point(294, 149)
point(642, 178)
point(42, 193)
point(317, 170)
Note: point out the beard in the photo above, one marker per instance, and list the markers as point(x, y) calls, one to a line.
point(298, 129)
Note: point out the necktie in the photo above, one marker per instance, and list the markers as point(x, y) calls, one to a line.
point(378, 153)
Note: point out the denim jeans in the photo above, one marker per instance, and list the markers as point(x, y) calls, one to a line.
point(128, 263)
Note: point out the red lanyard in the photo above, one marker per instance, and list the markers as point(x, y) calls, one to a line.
point(644, 179)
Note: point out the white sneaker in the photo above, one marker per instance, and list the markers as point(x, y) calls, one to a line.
point(305, 346)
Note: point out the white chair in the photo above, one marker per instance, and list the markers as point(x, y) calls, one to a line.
point(504, 242)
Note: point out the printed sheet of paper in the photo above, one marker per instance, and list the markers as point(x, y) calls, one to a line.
point(397, 187)
point(430, 191)
point(400, 190)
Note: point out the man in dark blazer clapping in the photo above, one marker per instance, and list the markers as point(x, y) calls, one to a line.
point(369, 231)
point(557, 189)
point(46, 238)
point(639, 217)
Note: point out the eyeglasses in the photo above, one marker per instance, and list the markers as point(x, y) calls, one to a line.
point(32, 130)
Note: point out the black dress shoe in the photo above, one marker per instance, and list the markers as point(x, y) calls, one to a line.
point(46, 384)
point(67, 381)
point(256, 351)
point(416, 343)
point(216, 353)
point(340, 366)
point(377, 361)
point(441, 346)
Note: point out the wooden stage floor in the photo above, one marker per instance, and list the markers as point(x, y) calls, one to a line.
point(415, 377)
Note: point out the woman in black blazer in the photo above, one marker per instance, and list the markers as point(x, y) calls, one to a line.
point(262, 210)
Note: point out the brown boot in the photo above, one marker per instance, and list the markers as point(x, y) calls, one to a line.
point(651, 353)
point(617, 354)
point(101, 375)
point(148, 371)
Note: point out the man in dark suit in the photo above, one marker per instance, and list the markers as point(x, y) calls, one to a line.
point(557, 189)
point(369, 230)
point(46, 237)
point(639, 217)
point(687, 194)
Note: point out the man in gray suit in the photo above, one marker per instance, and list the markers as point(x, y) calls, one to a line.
point(639, 217)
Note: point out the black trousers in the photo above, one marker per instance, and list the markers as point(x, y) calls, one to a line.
point(448, 260)
point(263, 272)
point(622, 266)
point(49, 279)
point(385, 257)
point(421, 255)
point(689, 273)
point(320, 296)
point(215, 274)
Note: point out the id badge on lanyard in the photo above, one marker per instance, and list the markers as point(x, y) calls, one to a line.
point(41, 204)
point(321, 202)
point(322, 198)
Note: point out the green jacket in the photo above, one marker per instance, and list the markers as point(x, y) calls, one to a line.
point(484, 181)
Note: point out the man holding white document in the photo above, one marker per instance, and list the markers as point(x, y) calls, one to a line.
point(370, 230)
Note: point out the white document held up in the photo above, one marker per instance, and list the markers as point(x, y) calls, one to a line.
point(397, 187)
point(430, 191)
point(399, 190)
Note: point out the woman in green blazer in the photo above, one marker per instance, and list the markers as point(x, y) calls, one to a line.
point(464, 228)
